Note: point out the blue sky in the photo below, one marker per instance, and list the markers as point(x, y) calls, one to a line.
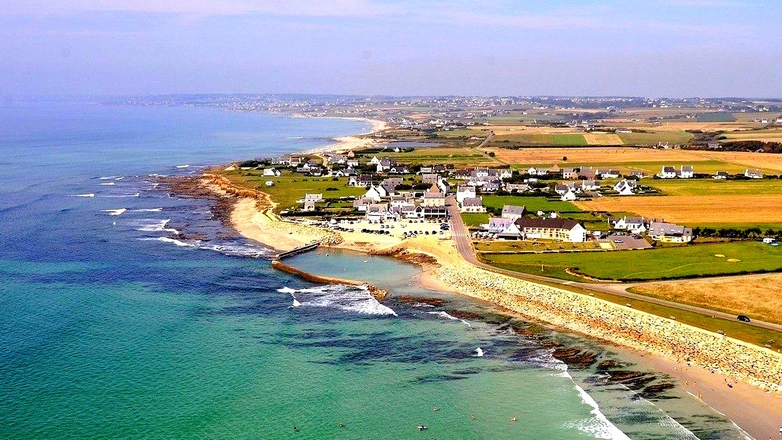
point(649, 48)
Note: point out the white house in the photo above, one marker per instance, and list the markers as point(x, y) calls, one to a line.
point(721, 175)
point(472, 204)
point(513, 212)
point(498, 224)
point(463, 192)
point(669, 232)
point(271, 172)
point(374, 161)
point(569, 196)
point(374, 193)
point(269, 183)
point(686, 172)
point(625, 187)
point(667, 173)
point(309, 205)
point(569, 173)
point(557, 229)
point(636, 225)
point(753, 173)
point(313, 197)
point(362, 204)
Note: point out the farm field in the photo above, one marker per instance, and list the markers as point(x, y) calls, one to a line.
point(712, 187)
point(695, 210)
point(670, 136)
point(461, 156)
point(603, 139)
point(751, 295)
point(540, 139)
point(594, 155)
point(763, 135)
point(654, 264)
point(532, 204)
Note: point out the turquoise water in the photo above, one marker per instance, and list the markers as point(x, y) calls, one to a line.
point(126, 312)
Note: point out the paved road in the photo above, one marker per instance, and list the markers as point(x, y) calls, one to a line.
point(463, 242)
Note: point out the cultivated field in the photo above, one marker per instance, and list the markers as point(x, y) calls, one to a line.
point(694, 210)
point(603, 139)
point(461, 156)
point(594, 155)
point(712, 187)
point(654, 264)
point(757, 296)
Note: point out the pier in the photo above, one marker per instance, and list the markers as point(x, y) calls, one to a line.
point(297, 251)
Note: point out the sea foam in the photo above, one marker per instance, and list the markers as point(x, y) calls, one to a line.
point(346, 298)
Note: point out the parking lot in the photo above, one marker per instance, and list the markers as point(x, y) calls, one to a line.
point(400, 229)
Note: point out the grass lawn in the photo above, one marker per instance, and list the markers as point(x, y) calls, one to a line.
point(533, 204)
point(475, 219)
point(675, 262)
point(292, 187)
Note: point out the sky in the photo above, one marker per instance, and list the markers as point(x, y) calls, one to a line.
point(652, 48)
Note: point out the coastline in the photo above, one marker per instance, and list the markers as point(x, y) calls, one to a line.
point(753, 402)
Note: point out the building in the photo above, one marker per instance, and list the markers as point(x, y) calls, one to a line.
point(636, 225)
point(569, 173)
point(433, 198)
point(313, 197)
point(686, 172)
point(556, 229)
point(498, 224)
point(271, 172)
point(513, 212)
point(669, 232)
point(465, 191)
point(626, 187)
point(667, 173)
point(753, 174)
point(721, 175)
point(569, 196)
point(362, 180)
point(472, 204)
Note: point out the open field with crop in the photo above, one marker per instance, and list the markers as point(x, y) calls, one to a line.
point(594, 155)
point(662, 263)
point(603, 139)
point(756, 296)
point(652, 138)
point(760, 135)
point(694, 210)
point(712, 187)
point(474, 219)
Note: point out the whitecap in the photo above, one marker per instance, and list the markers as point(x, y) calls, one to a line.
point(598, 426)
point(443, 315)
point(153, 225)
point(174, 241)
point(148, 210)
point(107, 177)
point(183, 166)
point(107, 184)
point(121, 196)
point(115, 212)
point(354, 299)
point(478, 352)
point(82, 195)
point(120, 178)
point(238, 250)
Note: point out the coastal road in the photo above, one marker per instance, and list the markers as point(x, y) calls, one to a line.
point(463, 242)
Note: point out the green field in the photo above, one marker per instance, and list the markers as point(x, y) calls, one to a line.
point(475, 219)
point(460, 156)
point(292, 187)
point(716, 117)
point(531, 203)
point(569, 139)
point(654, 264)
point(671, 137)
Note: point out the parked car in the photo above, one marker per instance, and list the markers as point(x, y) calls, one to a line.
point(743, 318)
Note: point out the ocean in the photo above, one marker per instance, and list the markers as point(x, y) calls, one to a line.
point(130, 312)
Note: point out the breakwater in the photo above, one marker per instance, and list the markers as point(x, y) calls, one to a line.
point(621, 325)
point(376, 292)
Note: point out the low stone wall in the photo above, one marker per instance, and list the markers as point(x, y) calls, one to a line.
point(621, 325)
point(378, 293)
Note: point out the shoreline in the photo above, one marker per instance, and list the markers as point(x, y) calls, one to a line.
point(636, 334)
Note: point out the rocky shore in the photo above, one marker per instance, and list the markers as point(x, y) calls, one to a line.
point(688, 345)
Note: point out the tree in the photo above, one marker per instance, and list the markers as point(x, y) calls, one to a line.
point(564, 158)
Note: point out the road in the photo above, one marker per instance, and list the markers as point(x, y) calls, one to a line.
point(463, 242)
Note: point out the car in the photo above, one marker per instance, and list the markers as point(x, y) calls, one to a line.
point(743, 318)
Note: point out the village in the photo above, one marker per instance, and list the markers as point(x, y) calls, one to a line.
point(376, 194)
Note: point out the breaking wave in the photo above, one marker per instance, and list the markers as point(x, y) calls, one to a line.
point(354, 299)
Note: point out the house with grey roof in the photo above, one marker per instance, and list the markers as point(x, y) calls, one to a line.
point(669, 232)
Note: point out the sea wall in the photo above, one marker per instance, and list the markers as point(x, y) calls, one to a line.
point(378, 293)
point(621, 325)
